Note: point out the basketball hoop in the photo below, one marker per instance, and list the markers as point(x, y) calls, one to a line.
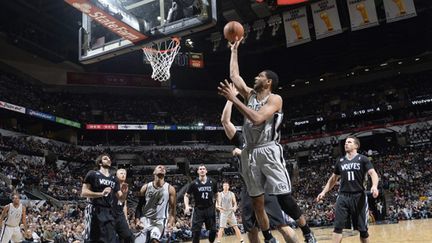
point(161, 56)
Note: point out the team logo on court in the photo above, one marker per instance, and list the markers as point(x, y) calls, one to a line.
point(83, 7)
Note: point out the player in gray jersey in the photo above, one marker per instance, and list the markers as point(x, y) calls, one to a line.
point(15, 214)
point(262, 159)
point(227, 205)
point(159, 201)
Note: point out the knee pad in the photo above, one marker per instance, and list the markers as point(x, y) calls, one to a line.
point(364, 234)
point(338, 230)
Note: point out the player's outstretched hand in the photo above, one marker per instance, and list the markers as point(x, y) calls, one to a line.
point(227, 90)
point(234, 46)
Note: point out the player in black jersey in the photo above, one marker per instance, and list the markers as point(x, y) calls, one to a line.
point(100, 188)
point(204, 191)
point(352, 200)
point(120, 211)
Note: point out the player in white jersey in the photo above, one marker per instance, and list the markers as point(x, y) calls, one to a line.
point(262, 159)
point(158, 199)
point(227, 205)
point(15, 213)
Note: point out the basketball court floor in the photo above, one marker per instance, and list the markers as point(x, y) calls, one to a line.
point(418, 231)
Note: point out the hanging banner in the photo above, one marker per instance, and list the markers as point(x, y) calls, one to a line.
point(326, 18)
point(362, 14)
point(296, 27)
point(399, 9)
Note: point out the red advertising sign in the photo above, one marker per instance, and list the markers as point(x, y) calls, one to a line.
point(101, 126)
point(196, 60)
point(290, 2)
point(108, 79)
point(116, 26)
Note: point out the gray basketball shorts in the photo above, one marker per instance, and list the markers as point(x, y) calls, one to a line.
point(263, 170)
point(153, 229)
point(227, 218)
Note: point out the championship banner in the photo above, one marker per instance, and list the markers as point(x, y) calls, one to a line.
point(296, 27)
point(326, 18)
point(362, 14)
point(399, 9)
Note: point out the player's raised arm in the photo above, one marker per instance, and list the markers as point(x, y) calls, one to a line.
point(228, 126)
point(238, 81)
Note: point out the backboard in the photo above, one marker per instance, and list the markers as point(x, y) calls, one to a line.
point(115, 27)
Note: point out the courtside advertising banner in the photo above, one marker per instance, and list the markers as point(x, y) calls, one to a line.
point(41, 115)
point(296, 27)
point(399, 9)
point(362, 14)
point(101, 127)
point(12, 107)
point(68, 122)
point(326, 18)
point(132, 127)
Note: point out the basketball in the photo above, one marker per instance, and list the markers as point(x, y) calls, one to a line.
point(232, 30)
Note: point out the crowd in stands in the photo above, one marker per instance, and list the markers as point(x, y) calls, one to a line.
point(405, 170)
point(405, 174)
point(49, 224)
point(336, 109)
point(419, 135)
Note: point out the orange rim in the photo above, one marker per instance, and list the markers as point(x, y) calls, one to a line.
point(175, 39)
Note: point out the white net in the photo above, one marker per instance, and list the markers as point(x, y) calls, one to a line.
point(161, 57)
